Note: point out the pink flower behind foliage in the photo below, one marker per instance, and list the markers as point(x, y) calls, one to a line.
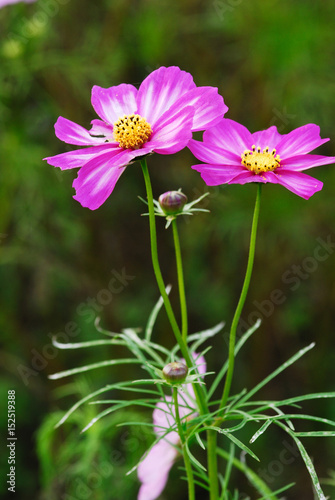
point(154, 470)
point(3, 3)
point(159, 117)
point(232, 155)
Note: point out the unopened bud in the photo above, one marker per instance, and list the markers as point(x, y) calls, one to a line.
point(172, 202)
point(175, 372)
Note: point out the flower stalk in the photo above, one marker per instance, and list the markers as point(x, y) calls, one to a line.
point(212, 465)
point(200, 397)
point(211, 435)
point(187, 461)
point(156, 266)
point(245, 288)
point(181, 285)
point(199, 394)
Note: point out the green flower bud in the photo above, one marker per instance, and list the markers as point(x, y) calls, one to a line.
point(172, 202)
point(175, 373)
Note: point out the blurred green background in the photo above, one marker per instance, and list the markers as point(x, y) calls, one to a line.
point(273, 61)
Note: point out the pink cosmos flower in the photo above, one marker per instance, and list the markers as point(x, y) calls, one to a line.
point(235, 156)
point(154, 470)
point(3, 3)
point(158, 117)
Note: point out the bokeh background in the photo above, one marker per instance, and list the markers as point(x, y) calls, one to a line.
point(273, 61)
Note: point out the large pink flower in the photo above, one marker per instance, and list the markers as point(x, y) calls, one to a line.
point(158, 117)
point(154, 470)
point(3, 3)
point(235, 156)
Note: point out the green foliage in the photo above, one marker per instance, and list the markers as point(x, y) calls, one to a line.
point(241, 408)
point(273, 62)
point(76, 464)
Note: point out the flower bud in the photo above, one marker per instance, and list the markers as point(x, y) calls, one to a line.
point(172, 202)
point(175, 372)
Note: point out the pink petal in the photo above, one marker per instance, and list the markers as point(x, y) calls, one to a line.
point(101, 128)
point(214, 175)
point(200, 363)
point(301, 140)
point(114, 102)
point(164, 413)
point(160, 90)
point(210, 153)
point(97, 178)
point(229, 135)
point(163, 416)
point(72, 133)
point(172, 131)
point(267, 138)
point(187, 402)
point(246, 176)
point(153, 471)
point(76, 159)
point(208, 104)
point(186, 397)
point(303, 162)
point(301, 184)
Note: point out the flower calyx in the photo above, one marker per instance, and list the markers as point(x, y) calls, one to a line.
point(174, 203)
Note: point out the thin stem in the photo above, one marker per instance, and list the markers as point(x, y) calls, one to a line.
point(198, 391)
point(181, 285)
point(199, 394)
point(156, 266)
point(237, 315)
point(212, 465)
point(187, 461)
point(211, 435)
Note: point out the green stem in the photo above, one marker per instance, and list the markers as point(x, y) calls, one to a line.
point(211, 435)
point(198, 391)
point(181, 285)
point(187, 461)
point(212, 465)
point(199, 394)
point(253, 478)
point(237, 315)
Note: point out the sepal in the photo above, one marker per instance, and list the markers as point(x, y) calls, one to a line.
point(187, 209)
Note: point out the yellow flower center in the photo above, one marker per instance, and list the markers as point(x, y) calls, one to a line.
point(258, 162)
point(131, 131)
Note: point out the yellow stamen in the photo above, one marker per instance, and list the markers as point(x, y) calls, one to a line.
point(258, 162)
point(131, 131)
